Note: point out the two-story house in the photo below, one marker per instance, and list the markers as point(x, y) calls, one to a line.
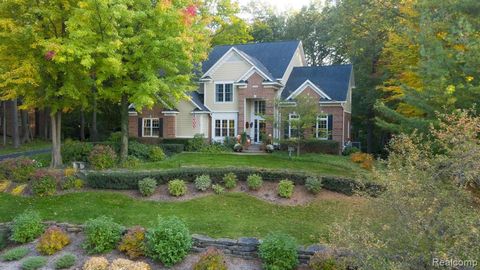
point(242, 85)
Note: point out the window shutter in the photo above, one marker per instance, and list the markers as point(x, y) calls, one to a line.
point(140, 127)
point(160, 128)
point(330, 126)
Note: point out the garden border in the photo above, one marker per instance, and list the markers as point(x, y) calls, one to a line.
point(128, 180)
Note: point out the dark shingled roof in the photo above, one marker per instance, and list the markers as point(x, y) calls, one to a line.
point(197, 98)
point(333, 80)
point(274, 57)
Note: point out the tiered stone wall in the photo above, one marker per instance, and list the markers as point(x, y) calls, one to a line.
point(245, 247)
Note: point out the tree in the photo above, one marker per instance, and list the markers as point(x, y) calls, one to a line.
point(301, 117)
point(226, 26)
point(140, 52)
point(43, 70)
point(266, 24)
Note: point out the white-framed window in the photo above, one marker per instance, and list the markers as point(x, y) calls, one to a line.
point(260, 107)
point(292, 129)
point(225, 128)
point(321, 127)
point(151, 127)
point(223, 92)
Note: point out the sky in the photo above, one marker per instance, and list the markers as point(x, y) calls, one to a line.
point(282, 5)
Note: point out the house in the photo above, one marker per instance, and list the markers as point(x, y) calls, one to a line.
point(243, 85)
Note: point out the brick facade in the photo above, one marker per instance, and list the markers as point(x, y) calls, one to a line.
point(255, 91)
point(134, 130)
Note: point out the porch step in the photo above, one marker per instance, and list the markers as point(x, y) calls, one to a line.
point(254, 148)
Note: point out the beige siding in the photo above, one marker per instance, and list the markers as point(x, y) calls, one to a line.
point(297, 61)
point(185, 120)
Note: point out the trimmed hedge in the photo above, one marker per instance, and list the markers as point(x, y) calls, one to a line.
point(172, 148)
point(121, 180)
point(313, 146)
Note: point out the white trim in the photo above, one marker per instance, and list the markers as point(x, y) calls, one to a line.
point(304, 86)
point(290, 126)
point(202, 112)
point(151, 119)
point(224, 116)
point(343, 127)
point(224, 58)
point(215, 92)
point(251, 71)
point(134, 113)
point(321, 118)
point(170, 112)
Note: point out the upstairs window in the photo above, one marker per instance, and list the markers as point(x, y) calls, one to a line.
point(260, 107)
point(224, 92)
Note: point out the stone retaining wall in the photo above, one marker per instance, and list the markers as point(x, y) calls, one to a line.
point(245, 247)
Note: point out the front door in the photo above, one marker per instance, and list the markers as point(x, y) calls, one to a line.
point(259, 124)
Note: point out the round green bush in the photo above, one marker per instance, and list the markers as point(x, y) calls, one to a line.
point(130, 163)
point(76, 151)
point(285, 189)
point(218, 189)
point(177, 188)
point(156, 154)
point(44, 186)
point(212, 259)
point(278, 251)
point(26, 227)
point(102, 157)
point(313, 184)
point(254, 182)
point(230, 180)
point(33, 263)
point(65, 261)
point(101, 235)
point(147, 186)
point(169, 242)
point(203, 182)
point(15, 254)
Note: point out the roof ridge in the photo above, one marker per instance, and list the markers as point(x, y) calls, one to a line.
point(336, 65)
point(256, 43)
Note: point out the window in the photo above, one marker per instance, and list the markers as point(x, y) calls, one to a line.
point(151, 127)
point(224, 92)
point(259, 107)
point(321, 128)
point(225, 128)
point(292, 129)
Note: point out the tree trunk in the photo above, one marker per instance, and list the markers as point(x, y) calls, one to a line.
point(15, 133)
point(26, 133)
point(124, 126)
point(94, 131)
point(4, 121)
point(46, 125)
point(370, 136)
point(82, 125)
point(56, 124)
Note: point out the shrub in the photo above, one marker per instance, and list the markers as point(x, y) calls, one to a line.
point(313, 146)
point(102, 157)
point(132, 243)
point(350, 150)
point(285, 189)
point(65, 261)
point(177, 188)
point(102, 234)
point(96, 263)
point(130, 162)
point(18, 190)
point(147, 186)
point(17, 169)
point(123, 264)
point(76, 151)
point(15, 254)
point(69, 172)
point(53, 239)
point(203, 182)
point(26, 227)
point(215, 148)
point(229, 143)
point(168, 242)
point(211, 259)
point(367, 162)
point(44, 183)
point(138, 150)
point(4, 185)
point(33, 263)
point(324, 261)
point(254, 182)
point(278, 252)
point(196, 144)
point(313, 184)
point(230, 180)
point(172, 148)
point(358, 157)
point(72, 182)
point(218, 189)
point(156, 154)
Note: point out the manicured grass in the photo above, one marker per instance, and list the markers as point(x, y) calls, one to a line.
point(315, 163)
point(228, 215)
point(34, 145)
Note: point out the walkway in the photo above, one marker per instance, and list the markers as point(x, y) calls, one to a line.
point(25, 153)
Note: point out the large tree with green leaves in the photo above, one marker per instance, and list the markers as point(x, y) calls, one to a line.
point(226, 25)
point(41, 68)
point(140, 52)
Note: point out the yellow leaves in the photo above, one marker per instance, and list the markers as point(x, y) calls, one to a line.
point(469, 78)
point(442, 35)
point(459, 47)
point(4, 185)
point(450, 89)
point(18, 190)
point(83, 4)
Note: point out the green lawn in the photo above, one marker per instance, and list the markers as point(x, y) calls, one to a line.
point(230, 215)
point(316, 163)
point(34, 145)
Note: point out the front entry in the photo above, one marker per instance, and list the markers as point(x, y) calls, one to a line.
point(259, 129)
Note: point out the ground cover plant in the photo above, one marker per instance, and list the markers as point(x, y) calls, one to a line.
point(15, 254)
point(33, 263)
point(211, 259)
point(65, 261)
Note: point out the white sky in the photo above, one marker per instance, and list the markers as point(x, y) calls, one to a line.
point(282, 5)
